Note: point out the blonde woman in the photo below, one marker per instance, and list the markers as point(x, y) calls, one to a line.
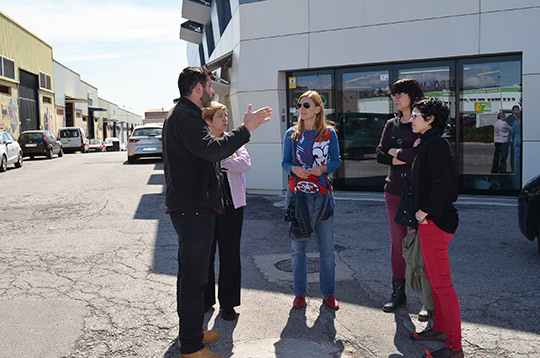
point(310, 154)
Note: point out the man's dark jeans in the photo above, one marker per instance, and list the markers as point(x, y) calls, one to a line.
point(195, 229)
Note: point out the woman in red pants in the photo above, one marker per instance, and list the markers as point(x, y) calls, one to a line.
point(434, 190)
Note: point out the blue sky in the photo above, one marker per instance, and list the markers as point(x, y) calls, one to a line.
point(128, 49)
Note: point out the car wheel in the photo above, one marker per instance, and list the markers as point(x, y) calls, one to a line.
point(18, 163)
point(356, 153)
point(50, 153)
point(61, 152)
point(132, 160)
point(3, 164)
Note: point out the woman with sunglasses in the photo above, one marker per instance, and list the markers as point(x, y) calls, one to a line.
point(310, 154)
point(396, 150)
point(434, 190)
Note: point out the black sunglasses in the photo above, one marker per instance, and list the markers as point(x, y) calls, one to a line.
point(305, 104)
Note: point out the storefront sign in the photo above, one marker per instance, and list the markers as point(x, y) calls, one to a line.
point(292, 82)
point(482, 106)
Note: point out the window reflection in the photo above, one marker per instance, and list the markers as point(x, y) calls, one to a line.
point(300, 82)
point(364, 106)
point(490, 130)
point(436, 81)
point(488, 155)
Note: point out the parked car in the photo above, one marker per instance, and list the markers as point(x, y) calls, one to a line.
point(40, 143)
point(10, 151)
point(529, 210)
point(145, 141)
point(96, 145)
point(359, 133)
point(112, 144)
point(73, 139)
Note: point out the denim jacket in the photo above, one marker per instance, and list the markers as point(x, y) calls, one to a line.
point(305, 211)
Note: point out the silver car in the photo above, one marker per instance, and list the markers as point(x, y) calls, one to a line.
point(145, 141)
point(10, 151)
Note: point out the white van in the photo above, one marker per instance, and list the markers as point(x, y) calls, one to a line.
point(73, 139)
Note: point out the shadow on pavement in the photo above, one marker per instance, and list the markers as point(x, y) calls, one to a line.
point(494, 268)
point(317, 341)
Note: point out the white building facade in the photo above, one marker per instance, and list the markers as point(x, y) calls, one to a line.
point(480, 56)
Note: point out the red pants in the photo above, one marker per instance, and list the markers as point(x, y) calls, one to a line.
point(434, 244)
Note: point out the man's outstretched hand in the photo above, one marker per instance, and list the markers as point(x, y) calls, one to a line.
point(252, 120)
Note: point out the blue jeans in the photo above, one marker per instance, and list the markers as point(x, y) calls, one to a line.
point(324, 231)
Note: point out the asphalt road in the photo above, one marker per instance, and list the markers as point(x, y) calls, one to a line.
point(88, 265)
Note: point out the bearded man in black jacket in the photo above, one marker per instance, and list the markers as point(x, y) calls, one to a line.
point(191, 156)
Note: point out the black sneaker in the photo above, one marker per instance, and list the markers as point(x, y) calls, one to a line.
point(228, 313)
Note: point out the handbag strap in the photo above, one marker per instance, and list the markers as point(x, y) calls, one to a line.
point(400, 144)
point(399, 140)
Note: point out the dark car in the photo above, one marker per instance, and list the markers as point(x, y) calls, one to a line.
point(529, 210)
point(359, 133)
point(40, 143)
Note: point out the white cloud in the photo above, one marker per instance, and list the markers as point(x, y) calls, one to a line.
point(88, 21)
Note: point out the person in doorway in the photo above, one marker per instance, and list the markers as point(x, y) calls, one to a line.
point(228, 227)
point(191, 156)
point(395, 149)
point(516, 114)
point(434, 190)
point(502, 138)
point(310, 154)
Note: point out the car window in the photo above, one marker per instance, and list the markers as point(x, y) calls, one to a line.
point(5, 138)
point(69, 133)
point(27, 137)
point(146, 132)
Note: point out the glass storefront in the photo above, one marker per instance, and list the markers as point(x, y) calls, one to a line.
point(476, 91)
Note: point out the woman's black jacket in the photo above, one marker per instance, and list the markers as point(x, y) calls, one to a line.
point(434, 181)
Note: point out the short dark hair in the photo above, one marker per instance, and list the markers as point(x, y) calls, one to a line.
point(409, 86)
point(190, 77)
point(435, 107)
point(515, 106)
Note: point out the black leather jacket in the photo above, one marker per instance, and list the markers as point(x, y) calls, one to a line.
point(191, 156)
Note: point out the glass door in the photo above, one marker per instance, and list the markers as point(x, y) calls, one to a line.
point(364, 106)
point(490, 117)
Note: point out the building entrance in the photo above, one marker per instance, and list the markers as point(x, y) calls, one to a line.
point(28, 100)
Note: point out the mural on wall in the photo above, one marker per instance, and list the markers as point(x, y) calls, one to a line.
point(47, 120)
point(4, 118)
point(9, 115)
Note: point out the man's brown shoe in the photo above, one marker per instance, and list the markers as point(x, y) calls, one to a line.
point(209, 336)
point(203, 353)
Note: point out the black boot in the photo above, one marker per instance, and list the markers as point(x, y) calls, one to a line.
point(398, 297)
